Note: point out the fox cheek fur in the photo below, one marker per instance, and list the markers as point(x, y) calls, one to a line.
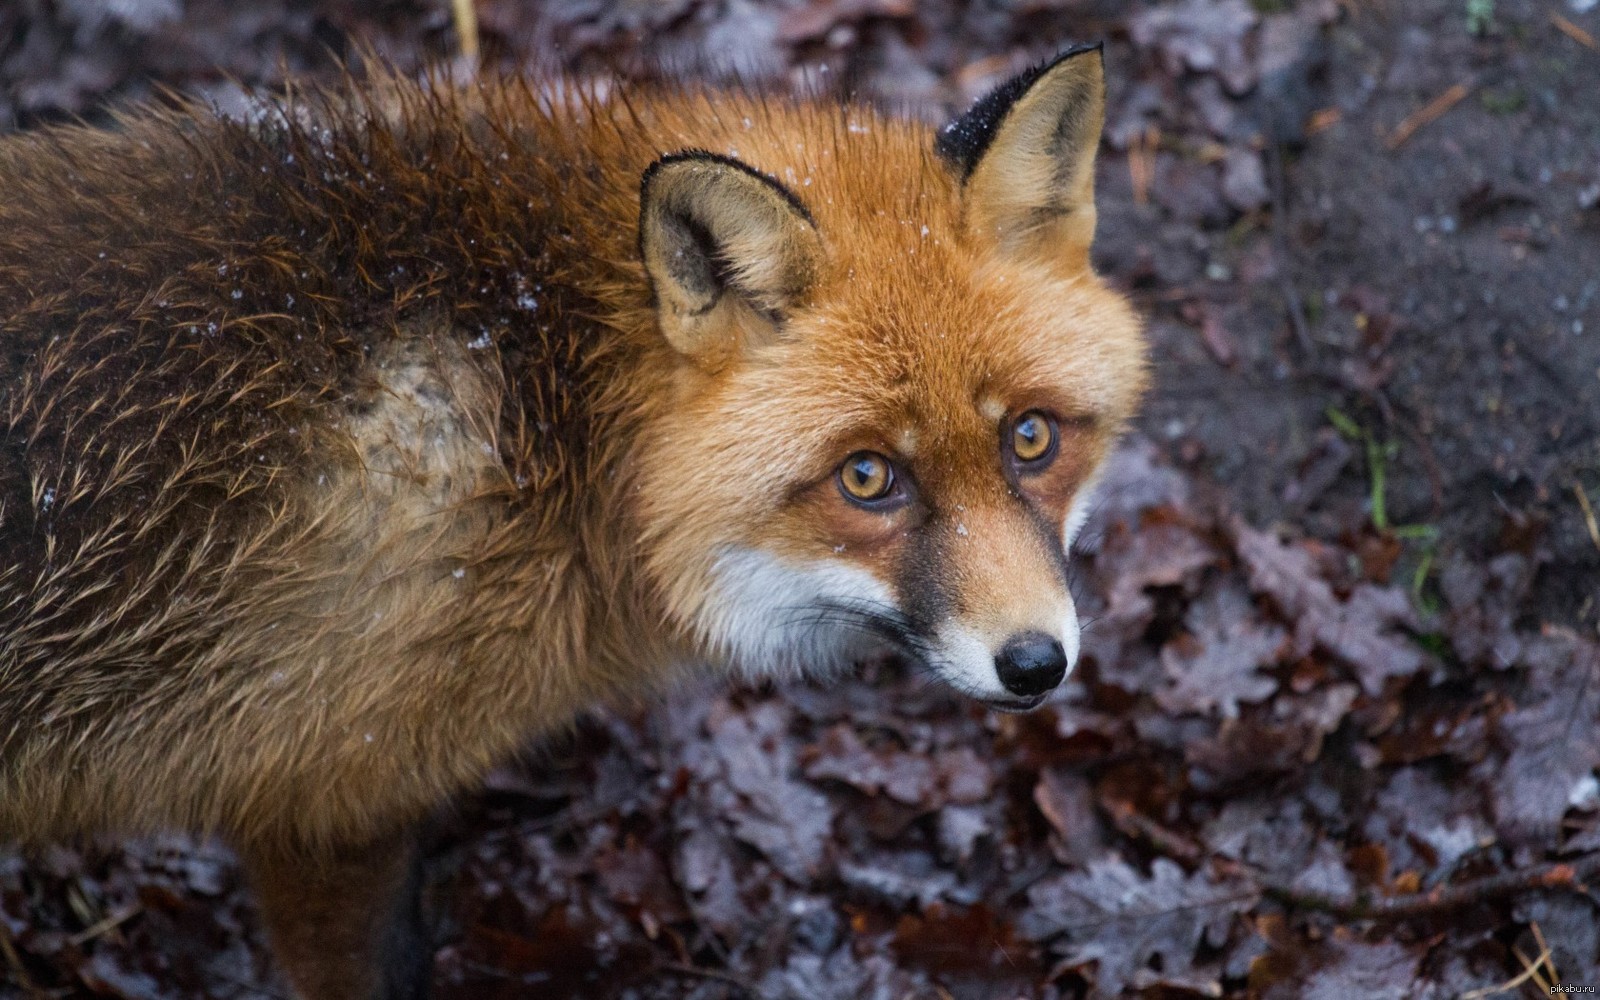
point(920, 330)
point(393, 428)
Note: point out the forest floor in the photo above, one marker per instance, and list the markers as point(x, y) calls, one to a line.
point(1334, 730)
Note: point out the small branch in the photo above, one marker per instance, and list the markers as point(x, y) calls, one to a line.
point(1280, 247)
point(1588, 514)
point(255, 988)
point(1366, 906)
point(1574, 32)
point(1141, 163)
point(744, 985)
point(1530, 971)
point(19, 972)
point(1430, 112)
point(109, 923)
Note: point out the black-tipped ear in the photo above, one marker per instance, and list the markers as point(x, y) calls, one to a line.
point(728, 250)
point(1025, 155)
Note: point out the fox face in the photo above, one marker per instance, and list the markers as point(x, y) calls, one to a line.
point(898, 377)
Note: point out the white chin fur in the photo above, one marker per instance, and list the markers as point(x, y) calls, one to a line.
point(763, 621)
point(963, 660)
point(762, 618)
point(1070, 637)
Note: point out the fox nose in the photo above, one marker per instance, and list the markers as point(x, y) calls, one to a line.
point(1031, 664)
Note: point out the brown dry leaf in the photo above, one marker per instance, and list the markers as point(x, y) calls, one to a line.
point(634, 875)
point(1206, 36)
point(975, 943)
point(908, 778)
point(785, 819)
point(1217, 667)
point(814, 20)
point(1552, 751)
point(1161, 552)
point(1484, 600)
point(1135, 481)
point(106, 975)
point(1425, 823)
point(1355, 968)
point(1113, 916)
point(842, 756)
point(903, 879)
point(840, 974)
point(1066, 800)
point(704, 868)
point(960, 830)
point(1244, 180)
point(967, 777)
point(1364, 631)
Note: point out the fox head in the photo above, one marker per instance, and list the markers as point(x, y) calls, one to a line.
point(896, 378)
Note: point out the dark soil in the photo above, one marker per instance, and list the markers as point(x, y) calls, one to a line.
point(1333, 733)
point(1451, 290)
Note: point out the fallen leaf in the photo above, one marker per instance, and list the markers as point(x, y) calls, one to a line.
point(1552, 750)
point(1207, 36)
point(1218, 667)
point(1364, 630)
point(785, 819)
point(1111, 915)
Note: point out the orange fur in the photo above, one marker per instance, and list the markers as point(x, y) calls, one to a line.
point(344, 450)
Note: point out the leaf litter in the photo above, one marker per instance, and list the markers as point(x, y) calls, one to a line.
point(1195, 832)
point(1276, 773)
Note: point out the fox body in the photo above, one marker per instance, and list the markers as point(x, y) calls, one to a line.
point(346, 448)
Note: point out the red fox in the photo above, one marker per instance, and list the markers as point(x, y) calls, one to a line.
point(347, 447)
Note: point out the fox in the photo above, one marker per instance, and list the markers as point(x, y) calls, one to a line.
point(353, 443)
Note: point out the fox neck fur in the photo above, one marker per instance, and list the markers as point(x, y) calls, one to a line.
point(352, 444)
point(372, 369)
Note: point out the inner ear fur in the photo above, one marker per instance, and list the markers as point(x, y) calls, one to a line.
point(1025, 153)
point(728, 249)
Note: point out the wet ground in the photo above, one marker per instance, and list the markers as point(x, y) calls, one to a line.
point(1449, 290)
point(1332, 736)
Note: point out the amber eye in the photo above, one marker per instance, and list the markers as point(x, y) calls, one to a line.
point(866, 476)
point(1033, 437)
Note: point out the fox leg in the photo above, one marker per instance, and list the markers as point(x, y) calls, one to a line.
point(346, 925)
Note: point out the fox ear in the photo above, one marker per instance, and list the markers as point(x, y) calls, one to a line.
point(1025, 155)
point(728, 249)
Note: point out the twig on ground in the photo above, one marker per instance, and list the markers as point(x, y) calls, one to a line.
point(1365, 906)
point(719, 975)
point(19, 972)
point(1530, 970)
point(1536, 966)
point(1574, 32)
point(1280, 248)
point(254, 988)
point(108, 923)
point(1429, 112)
point(1142, 163)
point(1323, 119)
point(1588, 514)
point(1544, 946)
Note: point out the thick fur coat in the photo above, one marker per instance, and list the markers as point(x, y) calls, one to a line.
point(346, 448)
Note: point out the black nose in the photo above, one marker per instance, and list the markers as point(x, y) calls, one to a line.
point(1031, 664)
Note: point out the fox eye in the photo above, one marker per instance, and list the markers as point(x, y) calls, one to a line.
point(1033, 438)
point(866, 476)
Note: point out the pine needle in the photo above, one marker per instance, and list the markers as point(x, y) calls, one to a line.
point(1430, 112)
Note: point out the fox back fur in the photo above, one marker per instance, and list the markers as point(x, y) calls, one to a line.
point(347, 447)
